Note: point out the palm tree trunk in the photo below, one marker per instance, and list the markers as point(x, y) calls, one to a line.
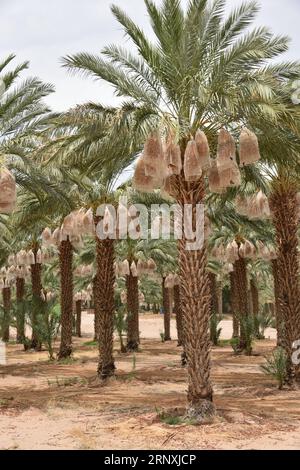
point(36, 283)
point(66, 298)
point(285, 218)
point(78, 318)
point(96, 287)
point(6, 295)
point(254, 296)
point(195, 296)
point(278, 313)
point(213, 293)
point(219, 298)
point(20, 292)
point(234, 302)
point(178, 314)
point(243, 302)
point(105, 305)
point(133, 333)
point(167, 313)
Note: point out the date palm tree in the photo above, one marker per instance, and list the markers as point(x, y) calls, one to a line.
point(80, 141)
point(22, 115)
point(44, 199)
point(204, 71)
point(285, 207)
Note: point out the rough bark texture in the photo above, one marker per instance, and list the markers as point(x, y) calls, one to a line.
point(178, 314)
point(6, 295)
point(195, 296)
point(254, 296)
point(105, 305)
point(96, 287)
point(220, 298)
point(133, 333)
point(278, 314)
point(285, 218)
point(36, 283)
point(234, 303)
point(20, 292)
point(167, 311)
point(66, 298)
point(78, 318)
point(242, 296)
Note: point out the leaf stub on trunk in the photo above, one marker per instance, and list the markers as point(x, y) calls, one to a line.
point(20, 292)
point(78, 318)
point(195, 297)
point(36, 283)
point(240, 270)
point(133, 334)
point(66, 300)
point(105, 305)
point(284, 206)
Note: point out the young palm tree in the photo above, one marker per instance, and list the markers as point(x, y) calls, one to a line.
point(203, 72)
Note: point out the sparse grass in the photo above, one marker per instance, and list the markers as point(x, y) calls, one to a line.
point(66, 381)
point(5, 402)
point(171, 420)
point(225, 342)
point(276, 366)
point(174, 418)
point(67, 361)
point(91, 343)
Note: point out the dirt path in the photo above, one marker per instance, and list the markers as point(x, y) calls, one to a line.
point(62, 406)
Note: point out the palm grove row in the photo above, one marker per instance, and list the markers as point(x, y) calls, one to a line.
point(206, 114)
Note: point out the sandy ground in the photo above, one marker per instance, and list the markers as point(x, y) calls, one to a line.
point(47, 405)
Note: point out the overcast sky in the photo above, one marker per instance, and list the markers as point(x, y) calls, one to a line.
point(44, 31)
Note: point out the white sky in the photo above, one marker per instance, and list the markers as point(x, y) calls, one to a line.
point(42, 31)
